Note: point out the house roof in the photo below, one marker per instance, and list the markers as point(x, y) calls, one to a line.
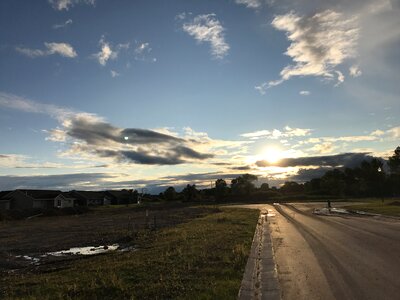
point(88, 194)
point(4, 193)
point(123, 194)
point(41, 194)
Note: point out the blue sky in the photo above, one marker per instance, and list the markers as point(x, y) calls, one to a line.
point(157, 93)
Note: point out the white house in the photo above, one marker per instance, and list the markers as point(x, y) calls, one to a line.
point(61, 201)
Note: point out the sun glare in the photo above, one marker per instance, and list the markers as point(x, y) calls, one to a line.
point(272, 155)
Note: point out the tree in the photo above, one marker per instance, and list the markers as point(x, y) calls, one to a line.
point(221, 188)
point(394, 162)
point(292, 187)
point(190, 192)
point(243, 185)
point(394, 166)
point(264, 187)
point(170, 194)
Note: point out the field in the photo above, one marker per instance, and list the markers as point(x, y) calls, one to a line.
point(197, 252)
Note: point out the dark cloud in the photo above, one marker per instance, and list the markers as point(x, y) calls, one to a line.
point(172, 156)
point(151, 147)
point(350, 160)
point(241, 168)
point(95, 132)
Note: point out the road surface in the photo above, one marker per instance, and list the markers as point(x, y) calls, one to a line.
point(335, 257)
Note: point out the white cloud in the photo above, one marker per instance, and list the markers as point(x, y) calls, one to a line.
point(305, 93)
point(377, 132)
point(323, 148)
point(142, 52)
point(207, 28)
point(319, 43)
point(340, 78)
point(67, 4)
point(114, 74)
point(287, 132)
point(107, 52)
point(355, 71)
point(250, 3)
point(63, 25)
point(63, 49)
point(394, 132)
point(142, 47)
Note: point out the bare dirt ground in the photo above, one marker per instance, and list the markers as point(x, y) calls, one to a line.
point(33, 238)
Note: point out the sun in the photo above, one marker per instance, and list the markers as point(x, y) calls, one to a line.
point(272, 155)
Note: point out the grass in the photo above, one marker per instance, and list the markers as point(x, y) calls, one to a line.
point(202, 259)
point(387, 207)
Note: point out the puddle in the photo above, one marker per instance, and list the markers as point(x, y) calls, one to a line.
point(326, 211)
point(89, 250)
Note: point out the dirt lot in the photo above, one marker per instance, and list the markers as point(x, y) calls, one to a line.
point(24, 242)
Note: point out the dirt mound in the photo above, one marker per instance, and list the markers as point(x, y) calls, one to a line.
point(395, 203)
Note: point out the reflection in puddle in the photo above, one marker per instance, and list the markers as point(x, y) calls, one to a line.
point(328, 211)
point(89, 250)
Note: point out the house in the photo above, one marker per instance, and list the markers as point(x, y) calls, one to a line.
point(121, 197)
point(4, 203)
point(28, 199)
point(64, 200)
point(88, 198)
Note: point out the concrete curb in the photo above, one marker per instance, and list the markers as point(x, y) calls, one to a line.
point(260, 279)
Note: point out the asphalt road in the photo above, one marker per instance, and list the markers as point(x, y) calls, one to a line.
point(334, 257)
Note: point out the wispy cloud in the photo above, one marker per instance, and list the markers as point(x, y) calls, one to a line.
point(108, 52)
point(63, 49)
point(319, 43)
point(305, 93)
point(355, 71)
point(143, 51)
point(114, 74)
point(287, 132)
point(67, 4)
point(63, 25)
point(250, 3)
point(207, 28)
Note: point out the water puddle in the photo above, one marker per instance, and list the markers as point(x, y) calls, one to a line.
point(75, 251)
point(89, 250)
point(329, 211)
point(271, 213)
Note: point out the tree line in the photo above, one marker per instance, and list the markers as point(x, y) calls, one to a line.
point(372, 178)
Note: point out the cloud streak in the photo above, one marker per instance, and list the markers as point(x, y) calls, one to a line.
point(63, 25)
point(287, 132)
point(62, 49)
point(67, 4)
point(207, 28)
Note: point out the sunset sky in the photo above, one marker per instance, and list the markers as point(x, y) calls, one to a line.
point(101, 94)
